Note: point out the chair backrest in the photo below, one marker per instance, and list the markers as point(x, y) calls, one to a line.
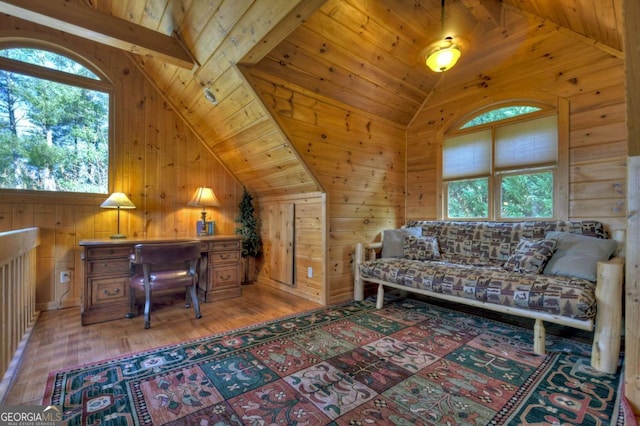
point(166, 253)
point(162, 253)
point(164, 266)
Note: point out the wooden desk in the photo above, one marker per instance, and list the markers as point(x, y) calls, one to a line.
point(106, 271)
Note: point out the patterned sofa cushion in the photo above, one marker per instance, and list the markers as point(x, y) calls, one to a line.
point(531, 256)
point(556, 295)
point(491, 243)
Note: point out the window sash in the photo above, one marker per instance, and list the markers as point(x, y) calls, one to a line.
point(527, 143)
point(467, 155)
point(501, 192)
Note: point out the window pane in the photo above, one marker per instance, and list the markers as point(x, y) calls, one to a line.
point(49, 60)
point(528, 143)
point(467, 155)
point(53, 137)
point(500, 114)
point(468, 198)
point(527, 196)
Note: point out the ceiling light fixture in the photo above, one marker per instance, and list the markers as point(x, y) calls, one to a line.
point(443, 55)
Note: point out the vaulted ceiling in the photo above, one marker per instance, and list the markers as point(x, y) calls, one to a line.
point(366, 54)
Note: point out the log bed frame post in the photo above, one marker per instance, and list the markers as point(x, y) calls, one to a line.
point(358, 291)
point(631, 42)
point(539, 336)
point(605, 351)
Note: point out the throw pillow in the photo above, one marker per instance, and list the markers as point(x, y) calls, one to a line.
point(578, 255)
point(393, 240)
point(530, 257)
point(421, 248)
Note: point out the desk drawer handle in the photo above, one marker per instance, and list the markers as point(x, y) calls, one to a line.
point(111, 293)
point(225, 278)
point(224, 256)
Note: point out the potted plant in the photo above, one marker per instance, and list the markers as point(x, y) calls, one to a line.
point(251, 241)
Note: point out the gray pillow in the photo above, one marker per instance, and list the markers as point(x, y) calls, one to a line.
point(578, 255)
point(393, 240)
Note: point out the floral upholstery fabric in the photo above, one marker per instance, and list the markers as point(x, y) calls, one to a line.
point(472, 255)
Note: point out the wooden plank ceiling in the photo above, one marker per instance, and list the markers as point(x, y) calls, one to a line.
point(365, 54)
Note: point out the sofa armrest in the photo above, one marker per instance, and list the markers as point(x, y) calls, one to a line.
point(364, 252)
point(608, 325)
point(372, 250)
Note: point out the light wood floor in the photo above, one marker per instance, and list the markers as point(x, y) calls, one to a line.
point(59, 341)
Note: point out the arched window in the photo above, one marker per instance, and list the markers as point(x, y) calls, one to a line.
point(502, 165)
point(55, 123)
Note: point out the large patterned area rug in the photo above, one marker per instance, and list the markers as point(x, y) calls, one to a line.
point(410, 363)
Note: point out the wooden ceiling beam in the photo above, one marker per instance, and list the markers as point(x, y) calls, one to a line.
point(487, 12)
point(85, 22)
point(285, 27)
point(583, 38)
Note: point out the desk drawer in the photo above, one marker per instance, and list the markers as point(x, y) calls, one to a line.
point(225, 276)
point(104, 267)
point(108, 290)
point(219, 257)
point(107, 252)
point(225, 245)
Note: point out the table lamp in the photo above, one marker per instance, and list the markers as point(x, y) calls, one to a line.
point(204, 197)
point(118, 200)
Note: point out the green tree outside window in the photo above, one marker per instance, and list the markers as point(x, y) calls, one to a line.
point(54, 136)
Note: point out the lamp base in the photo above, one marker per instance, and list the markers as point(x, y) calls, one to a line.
point(204, 229)
point(116, 236)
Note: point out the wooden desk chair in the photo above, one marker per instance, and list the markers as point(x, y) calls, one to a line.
point(163, 266)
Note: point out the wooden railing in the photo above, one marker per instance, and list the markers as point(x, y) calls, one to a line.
point(17, 299)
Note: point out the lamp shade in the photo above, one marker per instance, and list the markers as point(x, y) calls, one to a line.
point(118, 200)
point(443, 55)
point(204, 197)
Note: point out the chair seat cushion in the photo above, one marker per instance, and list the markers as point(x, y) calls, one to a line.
point(163, 279)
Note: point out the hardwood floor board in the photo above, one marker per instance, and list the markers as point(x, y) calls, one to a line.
point(60, 341)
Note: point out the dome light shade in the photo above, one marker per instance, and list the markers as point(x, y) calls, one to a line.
point(443, 56)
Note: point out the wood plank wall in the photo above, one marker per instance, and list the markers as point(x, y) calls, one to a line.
point(593, 83)
point(310, 245)
point(157, 161)
point(357, 158)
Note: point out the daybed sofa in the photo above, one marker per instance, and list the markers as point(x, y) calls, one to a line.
point(563, 272)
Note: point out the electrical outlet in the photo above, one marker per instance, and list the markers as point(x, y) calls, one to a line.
point(65, 277)
point(309, 272)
